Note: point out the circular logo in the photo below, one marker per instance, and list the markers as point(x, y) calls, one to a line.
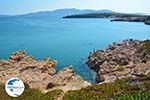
point(14, 87)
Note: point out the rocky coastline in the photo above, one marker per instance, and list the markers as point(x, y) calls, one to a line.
point(122, 71)
point(129, 58)
point(115, 17)
point(40, 75)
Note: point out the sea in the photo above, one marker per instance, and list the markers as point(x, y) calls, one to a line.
point(69, 41)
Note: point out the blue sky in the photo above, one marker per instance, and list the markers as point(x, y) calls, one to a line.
point(13, 7)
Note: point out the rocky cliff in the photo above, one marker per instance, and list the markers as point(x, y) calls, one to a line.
point(130, 58)
point(39, 75)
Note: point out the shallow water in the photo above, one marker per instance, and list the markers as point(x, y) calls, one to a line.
point(69, 41)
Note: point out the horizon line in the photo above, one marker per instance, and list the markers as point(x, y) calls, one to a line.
point(40, 11)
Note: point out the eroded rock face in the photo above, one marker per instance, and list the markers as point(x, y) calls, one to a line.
point(120, 60)
point(39, 74)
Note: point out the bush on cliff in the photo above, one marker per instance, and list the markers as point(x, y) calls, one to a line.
point(30, 94)
point(118, 90)
point(126, 89)
point(146, 45)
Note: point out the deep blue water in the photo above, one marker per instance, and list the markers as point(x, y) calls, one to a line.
point(69, 41)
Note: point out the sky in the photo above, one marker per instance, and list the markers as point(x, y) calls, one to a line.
point(15, 7)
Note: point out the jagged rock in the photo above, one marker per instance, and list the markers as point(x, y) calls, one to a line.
point(17, 56)
point(131, 58)
point(67, 79)
point(39, 74)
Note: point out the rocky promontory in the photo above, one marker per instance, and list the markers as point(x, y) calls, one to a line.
point(41, 74)
point(130, 58)
point(115, 17)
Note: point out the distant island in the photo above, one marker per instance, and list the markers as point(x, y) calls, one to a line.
point(85, 13)
point(58, 13)
point(115, 17)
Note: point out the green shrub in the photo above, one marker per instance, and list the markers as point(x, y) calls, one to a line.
point(30, 94)
point(137, 96)
point(107, 91)
point(125, 89)
point(146, 45)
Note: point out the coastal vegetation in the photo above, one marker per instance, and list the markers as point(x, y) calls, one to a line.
point(125, 89)
point(147, 45)
point(136, 96)
point(119, 90)
point(30, 94)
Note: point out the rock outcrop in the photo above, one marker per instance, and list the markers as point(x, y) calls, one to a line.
point(130, 58)
point(39, 75)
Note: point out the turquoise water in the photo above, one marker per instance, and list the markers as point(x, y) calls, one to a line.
point(69, 41)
